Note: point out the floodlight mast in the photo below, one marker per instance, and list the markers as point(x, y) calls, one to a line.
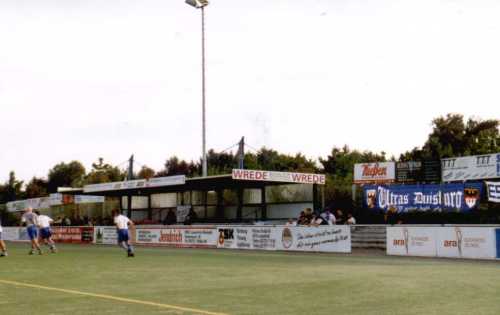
point(201, 4)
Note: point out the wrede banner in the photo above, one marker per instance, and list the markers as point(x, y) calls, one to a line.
point(402, 198)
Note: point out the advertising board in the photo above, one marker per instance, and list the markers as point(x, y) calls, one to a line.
point(138, 183)
point(10, 233)
point(383, 172)
point(178, 237)
point(471, 167)
point(309, 239)
point(450, 242)
point(285, 177)
point(466, 242)
point(77, 235)
point(411, 241)
point(105, 235)
point(407, 172)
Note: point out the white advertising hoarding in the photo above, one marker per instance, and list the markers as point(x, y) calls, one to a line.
point(10, 233)
point(411, 241)
point(466, 242)
point(139, 183)
point(81, 199)
point(308, 239)
point(285, 177)
point(105, 235)
point(451, 242)
point(199, 237)
point(381, 172)
point(471, 167)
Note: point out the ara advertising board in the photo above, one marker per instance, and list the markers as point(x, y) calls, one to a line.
point(450, 242)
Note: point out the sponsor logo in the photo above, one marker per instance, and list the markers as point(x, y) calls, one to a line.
point(472, 196)
point(374, 171)
point(174, 236)
point(226, 235)
point(460, 238)
point(287, 238)
point(406, 234)
point(404, 241)
point(371, 198)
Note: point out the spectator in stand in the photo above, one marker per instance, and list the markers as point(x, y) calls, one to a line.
point(66, 221)
point(329, 217)
point(86, 221)
point(58, 221)
point(309, 215)
point(291, 222)
point(191, 217)
point(340, 217)
point(350, 219)
point(171, 218)
point(316, 220)
point(301, 220)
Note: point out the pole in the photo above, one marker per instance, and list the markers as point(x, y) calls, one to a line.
point(204, 135)
point(130, 173)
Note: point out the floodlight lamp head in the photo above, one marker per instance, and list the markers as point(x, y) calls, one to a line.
point(197, 3)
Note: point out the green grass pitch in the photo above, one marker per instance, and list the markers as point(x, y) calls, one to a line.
point(243, 282)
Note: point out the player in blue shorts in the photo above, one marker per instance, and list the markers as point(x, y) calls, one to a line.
point(122, 224)
point(31, 220)
point(3, 248)
point(45, 232)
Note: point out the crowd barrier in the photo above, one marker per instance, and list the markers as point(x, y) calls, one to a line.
point(448, 242)
point(333, 239)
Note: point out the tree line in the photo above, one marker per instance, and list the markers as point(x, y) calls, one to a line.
point(451, 136)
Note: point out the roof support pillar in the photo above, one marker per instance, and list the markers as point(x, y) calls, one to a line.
point(264, 202)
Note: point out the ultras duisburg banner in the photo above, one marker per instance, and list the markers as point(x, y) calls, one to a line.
point(403, 198)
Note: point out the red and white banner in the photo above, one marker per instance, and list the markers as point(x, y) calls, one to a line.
point(285, 177)
point(383, 172)
point(196, 237)
point(77, 235)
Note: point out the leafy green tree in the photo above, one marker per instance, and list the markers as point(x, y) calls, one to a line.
point(220, 163)
point(146, 173)
point(452, 136)
point(174, 166)
point(37, 187)
point(66, 175)
point(12, 189)
point(339, 168)
point(104, 173)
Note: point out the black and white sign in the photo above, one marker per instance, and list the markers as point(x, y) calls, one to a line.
point(493, 191)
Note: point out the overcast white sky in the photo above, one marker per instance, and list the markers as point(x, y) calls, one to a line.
point(81, 79)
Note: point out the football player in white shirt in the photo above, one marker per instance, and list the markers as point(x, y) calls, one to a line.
point(2, 244)
point(30, 219)
point(45, 232)
point(122, 224)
